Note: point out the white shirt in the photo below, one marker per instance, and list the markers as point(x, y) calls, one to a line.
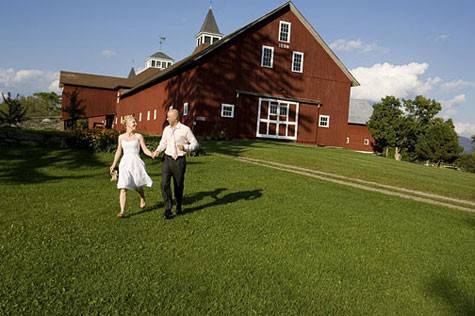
point(182, 135)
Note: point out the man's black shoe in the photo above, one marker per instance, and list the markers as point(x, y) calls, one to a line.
point(167, 214)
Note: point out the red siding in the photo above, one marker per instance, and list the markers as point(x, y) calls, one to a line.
point(96, 102)
point(356, 134)
point(236, 66)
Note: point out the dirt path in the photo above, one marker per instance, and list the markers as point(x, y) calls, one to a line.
point(430, 198)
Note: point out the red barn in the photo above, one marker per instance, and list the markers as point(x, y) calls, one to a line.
point(275, 78)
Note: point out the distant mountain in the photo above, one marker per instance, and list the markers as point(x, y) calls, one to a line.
point(466, 143)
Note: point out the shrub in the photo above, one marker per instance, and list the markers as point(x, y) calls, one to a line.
point(466, 162)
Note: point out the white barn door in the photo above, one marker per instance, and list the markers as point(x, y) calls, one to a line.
point(277, 119)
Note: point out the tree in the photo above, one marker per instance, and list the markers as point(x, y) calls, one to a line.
point(473, 141)
point(420, 112)
point(387, 124)
point(439, 143)
point(74, 109)
point(50, 101)
point(15, 112)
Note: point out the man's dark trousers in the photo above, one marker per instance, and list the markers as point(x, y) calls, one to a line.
point(175, 169)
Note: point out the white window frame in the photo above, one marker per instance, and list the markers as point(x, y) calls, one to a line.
point(154, 115)
point(271, 56)
point(366, 142)
point(280, 31)
point(278, 120)
point(320, 121)
point(293, 61)
point(140, 117)
point(148, 115)
point(347, 140)
point(223, 106)
point(186, 108)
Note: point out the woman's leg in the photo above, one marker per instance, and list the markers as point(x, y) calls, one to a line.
point(122, 201)
point(142, 197)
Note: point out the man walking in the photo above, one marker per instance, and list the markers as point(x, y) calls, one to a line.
point(177, 140)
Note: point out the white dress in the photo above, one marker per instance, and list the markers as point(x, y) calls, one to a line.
point(132, 174)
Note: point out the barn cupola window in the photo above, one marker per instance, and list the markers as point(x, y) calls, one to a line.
point(209, 32)
point(267, 59)
point(297, 62)
point(284, 32)
point(159, 60)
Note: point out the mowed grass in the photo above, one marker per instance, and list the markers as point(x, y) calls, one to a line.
point(253, 241)
point(446, 182)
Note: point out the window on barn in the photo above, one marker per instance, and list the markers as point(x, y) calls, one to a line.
point(227, 110)
point(347, 140)
point(366, 141)
point(273, 107)
point(297, 62)
point(148, 115)
point(284, 32)
point(215, 39)
point(153, 63)
point(208, 39)
point(267, 56)
point(185, 109)
point(154, 114)
point(324, 121)
point(140, 117)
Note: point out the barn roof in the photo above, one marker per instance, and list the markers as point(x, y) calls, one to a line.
point(360, 111)
point(161, 55)
point(210, 25)
point(105, 82)
point(190, 60)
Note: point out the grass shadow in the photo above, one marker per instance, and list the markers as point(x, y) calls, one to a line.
point(226, 199)
point(451, 293)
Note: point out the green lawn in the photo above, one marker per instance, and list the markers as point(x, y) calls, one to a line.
point(451, 183)
point(253, 241)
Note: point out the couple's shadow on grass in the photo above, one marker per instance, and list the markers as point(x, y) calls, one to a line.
point(191, 199)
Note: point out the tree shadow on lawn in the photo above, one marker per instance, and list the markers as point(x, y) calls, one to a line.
point(238, 147)
point(23, 165)
point(459, 302)
point(198, 196)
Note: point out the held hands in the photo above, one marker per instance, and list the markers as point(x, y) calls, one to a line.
point(111, 169)
point(155, 154)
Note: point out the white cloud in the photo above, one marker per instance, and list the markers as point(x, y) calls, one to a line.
point(441, 37)
point(385, 79)
point(357, 45)
point(449, 107)
point(108, 53)
point(28, 81)
point(456, 85)
point(465, 129)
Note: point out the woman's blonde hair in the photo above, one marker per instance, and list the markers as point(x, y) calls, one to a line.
point(126, 119)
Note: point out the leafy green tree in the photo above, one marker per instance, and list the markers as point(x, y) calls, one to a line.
point(439, 143)
point(42, 104)
point(473, 141)
point(387, 124)
point(14, 113)
point(74, 109)
point(466, 162)
point(419, 113)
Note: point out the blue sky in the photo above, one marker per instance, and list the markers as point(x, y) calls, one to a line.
point(402, 48)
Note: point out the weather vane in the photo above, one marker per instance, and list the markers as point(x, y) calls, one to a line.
point(162, 40)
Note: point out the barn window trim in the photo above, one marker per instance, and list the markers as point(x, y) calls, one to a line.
point(186, 108)
point(281, 24)
point(227, 110)
point(299, 69)
point(264, 48)
point(324, 121)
